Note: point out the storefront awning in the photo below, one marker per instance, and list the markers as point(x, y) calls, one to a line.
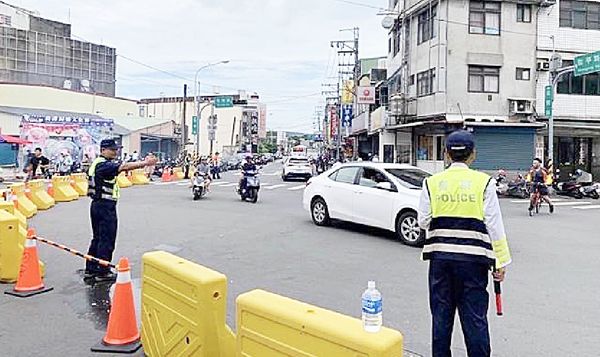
point(13, 140)
point(504, 124)
point(407, 125)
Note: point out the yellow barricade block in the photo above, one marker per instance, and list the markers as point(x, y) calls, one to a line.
point(183, 309)
point(63, 192)
point(123, 181)
point(79, 182)
point(271, 325)
point(10, 208)
point(40, 198)
point(24, 204)
point(138, 177)
point(12, 240)
point(178, 173)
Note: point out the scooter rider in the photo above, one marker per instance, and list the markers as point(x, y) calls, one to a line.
point(247, 166)
point(204, 170)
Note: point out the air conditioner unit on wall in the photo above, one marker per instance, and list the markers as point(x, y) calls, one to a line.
point(547, 3)
point(543, 65)
point(520, 107)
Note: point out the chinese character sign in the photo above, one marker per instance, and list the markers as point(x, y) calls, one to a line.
point(588, 63)
point(262, 121)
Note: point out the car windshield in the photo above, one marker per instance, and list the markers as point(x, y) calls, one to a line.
point(411, 178)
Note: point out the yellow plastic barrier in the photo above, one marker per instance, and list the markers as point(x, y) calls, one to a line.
point(273, 325)
point(12, 240)
point(183, 309)
point(138, 177)
point(63, 192)
point(178, 173)
point(123, 181)
point(10, 208)
point(79, 182)
point(24, 204)
point(40, 198)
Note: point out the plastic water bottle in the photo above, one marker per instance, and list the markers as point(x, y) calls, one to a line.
point(372, 316)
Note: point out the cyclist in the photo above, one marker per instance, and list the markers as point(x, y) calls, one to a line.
point(538, 176)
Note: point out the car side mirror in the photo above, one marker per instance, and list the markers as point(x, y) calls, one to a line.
point(385, 186)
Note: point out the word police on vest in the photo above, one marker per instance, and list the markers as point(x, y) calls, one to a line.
point(458, 197)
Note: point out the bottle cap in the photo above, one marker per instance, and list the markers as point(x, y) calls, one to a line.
point(371, 284)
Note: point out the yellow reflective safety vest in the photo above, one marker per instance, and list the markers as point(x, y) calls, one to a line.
point(99, 188)
point(457, 230)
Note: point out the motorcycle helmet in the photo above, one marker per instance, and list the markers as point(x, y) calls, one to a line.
point(501, 173)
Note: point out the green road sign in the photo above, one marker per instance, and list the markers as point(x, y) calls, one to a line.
point(224, 102)
point(194, 125)
point(548, 101)
point(588, 63)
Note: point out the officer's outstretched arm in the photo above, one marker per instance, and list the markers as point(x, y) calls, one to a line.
point(495, 226)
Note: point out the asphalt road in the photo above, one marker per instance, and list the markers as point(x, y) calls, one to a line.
point(551, 294)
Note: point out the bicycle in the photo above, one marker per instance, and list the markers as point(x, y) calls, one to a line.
point(535, 199)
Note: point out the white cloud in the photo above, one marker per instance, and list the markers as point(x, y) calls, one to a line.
point(278, 48)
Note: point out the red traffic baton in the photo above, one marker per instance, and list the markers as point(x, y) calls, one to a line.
point(498, 292)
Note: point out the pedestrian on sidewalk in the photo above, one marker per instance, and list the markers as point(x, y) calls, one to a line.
point(466, 238)
point(104, 192)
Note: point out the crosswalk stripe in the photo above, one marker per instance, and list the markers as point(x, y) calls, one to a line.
point(183, 183)
point(297, 188)
point(588, 207)
point(572, 203)
point(275, 186)
point(218, 183)
point(527, 201)
point(228, 185)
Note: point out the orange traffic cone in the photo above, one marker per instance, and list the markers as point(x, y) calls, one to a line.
point(166, 177)
point(72, 183)
point(28, 192)
point(29, 282)
point(50, 189)
point(15, 201)
point(122, 334)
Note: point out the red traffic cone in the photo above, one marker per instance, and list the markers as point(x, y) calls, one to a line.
point(29, 282)
point(28, 192)
point(122, 334)
point(15, 201)
point(166, 177)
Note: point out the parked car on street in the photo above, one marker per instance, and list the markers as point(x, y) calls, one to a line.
point(374, 194)
point(297, 167)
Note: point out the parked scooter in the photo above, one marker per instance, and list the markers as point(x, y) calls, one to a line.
point(516, 188)
point(252, 186)
point(199, 185)
point(569, 188)
point(588, 187)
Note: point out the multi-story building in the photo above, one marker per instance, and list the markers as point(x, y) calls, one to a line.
point(484, 65)
point(571, 28)
point(38, 51)
point(455, 63)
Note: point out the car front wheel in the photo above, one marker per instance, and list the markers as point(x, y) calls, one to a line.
point(319, 212)
point(408, 230)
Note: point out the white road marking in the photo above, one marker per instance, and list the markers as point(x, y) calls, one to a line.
point(218, 183)
point(275, 186)
point(228, 185)
point(301, 187)
point(588, 207)
point(164, 183)
point(527, 201)
point(572, 203)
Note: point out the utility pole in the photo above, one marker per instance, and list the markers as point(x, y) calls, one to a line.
point(183, 126)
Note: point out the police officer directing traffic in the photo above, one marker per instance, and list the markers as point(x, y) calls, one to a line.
point(459, 209)
point(104, 192)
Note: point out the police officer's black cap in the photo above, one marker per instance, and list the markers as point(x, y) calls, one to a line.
point(460, 140)
point(109, 144)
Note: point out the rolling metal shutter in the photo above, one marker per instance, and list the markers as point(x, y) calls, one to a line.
point(506, 148)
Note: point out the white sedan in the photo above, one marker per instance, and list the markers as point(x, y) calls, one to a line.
point(374, 194)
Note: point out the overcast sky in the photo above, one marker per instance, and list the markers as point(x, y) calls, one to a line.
point(278, 48)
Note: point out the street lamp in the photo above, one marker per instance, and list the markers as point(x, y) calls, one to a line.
point(197, 101)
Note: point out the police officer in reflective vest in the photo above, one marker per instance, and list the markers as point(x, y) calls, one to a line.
point(104, 192)
point(459, 209)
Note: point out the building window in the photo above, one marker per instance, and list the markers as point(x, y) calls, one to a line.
point(484, 17)
point(523, 13)
point(411, 80)
point(580, 14)
point(5, 20)
point(397, 40)
point(426, 27)
point(425, 82)
point(588, 84)
point(484, 79)
point(425, 148)
point(523, 74)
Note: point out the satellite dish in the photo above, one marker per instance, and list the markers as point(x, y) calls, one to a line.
point(387, 22)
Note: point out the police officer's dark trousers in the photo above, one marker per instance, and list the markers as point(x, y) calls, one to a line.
point(459, 285)
point(104, 226)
